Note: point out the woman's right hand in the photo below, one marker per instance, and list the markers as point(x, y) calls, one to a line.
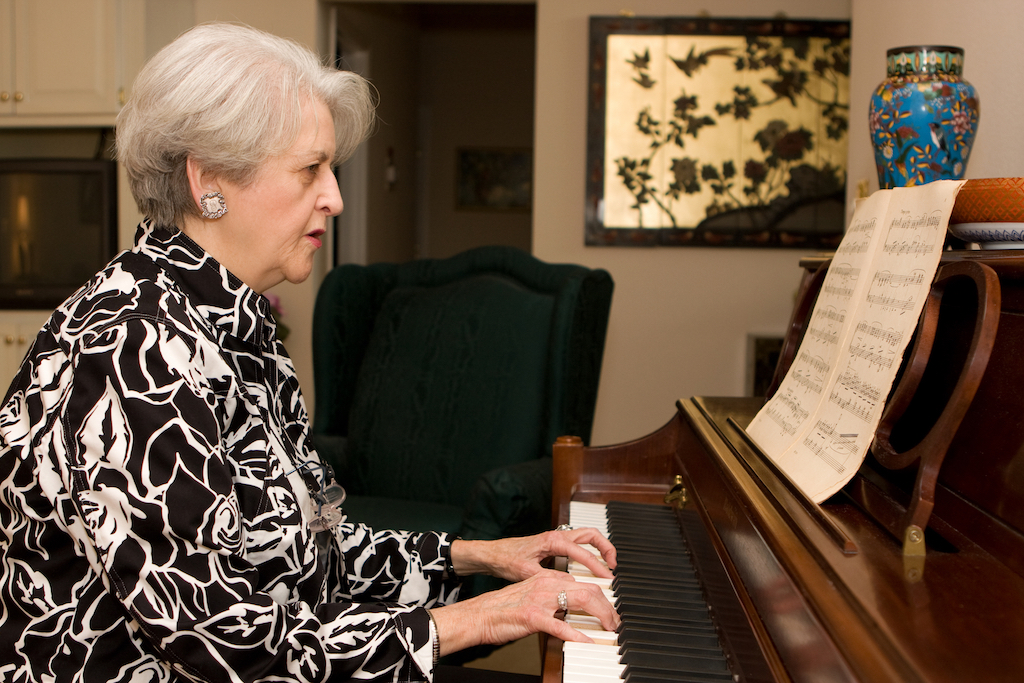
point(519, 610)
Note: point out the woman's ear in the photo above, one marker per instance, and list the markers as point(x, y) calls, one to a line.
point(197, 180)
point(205, 191)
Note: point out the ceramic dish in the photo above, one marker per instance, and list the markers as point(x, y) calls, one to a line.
point(994, 235)
point(990, 212)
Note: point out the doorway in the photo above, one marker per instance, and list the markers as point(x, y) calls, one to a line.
point(455, 81)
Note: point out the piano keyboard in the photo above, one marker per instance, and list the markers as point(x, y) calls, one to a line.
point(667, 633)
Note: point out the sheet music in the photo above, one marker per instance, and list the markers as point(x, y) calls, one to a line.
point(821, 421)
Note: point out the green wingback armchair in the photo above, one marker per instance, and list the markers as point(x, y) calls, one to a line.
point(442, 383)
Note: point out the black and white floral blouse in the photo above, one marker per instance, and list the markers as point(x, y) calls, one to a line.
point(153, 525)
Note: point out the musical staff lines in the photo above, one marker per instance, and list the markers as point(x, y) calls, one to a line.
point(841, 280)
point(844, 444)
point(830, 313)
point(913, 235)
point(790, 420)
point(886, 279)
point(850, 380)
point(896, 291)
point(810, 380)
point(855, 395)
point(871, 356)
point(858, 238)
point(820, 422)
point(887, 336)
point(825, 335)
point(891, 302)
point(903, 248)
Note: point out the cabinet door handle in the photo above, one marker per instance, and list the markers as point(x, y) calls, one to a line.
point(21, 339)
point(9, 339)
point(4, 96)
point(18, 96)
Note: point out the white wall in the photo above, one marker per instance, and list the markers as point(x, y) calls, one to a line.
point(990, 33)
point(680, 316)
point(296, 19)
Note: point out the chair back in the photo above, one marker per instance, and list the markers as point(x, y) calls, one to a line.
point(439, 370)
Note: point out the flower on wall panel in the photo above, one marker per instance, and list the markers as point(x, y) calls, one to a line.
point(730, 132)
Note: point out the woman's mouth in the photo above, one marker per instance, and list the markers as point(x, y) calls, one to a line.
point(314, 237)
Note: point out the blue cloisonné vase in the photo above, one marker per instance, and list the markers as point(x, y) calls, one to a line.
point(923, 116)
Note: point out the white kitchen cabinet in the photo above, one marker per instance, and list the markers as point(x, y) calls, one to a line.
point(66, 58)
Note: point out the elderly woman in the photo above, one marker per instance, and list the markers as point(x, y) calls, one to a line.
point(164, 517)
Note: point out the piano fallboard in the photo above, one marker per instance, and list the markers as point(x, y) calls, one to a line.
point(825, 590)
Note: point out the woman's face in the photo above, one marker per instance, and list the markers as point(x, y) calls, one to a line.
point(274, 226)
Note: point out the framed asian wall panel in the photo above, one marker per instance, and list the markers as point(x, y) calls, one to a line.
point(717, 132)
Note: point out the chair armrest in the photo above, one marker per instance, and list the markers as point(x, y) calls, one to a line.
point(514, 500)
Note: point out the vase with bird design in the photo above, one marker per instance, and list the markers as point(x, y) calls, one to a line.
point(923, 117)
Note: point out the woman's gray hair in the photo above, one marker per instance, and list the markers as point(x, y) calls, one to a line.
point(230, 97)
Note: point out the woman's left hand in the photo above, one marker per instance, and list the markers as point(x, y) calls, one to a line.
point(516, 559)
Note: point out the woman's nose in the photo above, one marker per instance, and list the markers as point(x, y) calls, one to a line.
point(331, 197)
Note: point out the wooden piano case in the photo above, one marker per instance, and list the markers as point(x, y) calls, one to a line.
point(834, 592)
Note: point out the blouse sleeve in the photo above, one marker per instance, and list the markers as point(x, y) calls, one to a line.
point(161, 514)
point(395, 566)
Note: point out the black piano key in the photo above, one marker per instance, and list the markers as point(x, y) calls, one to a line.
point(665, 583)
point(661, 620)
point(653, 609)
point(650, 635)
point(651, 659)
point(677, 560)
point(667, 633)
point(635, 567)
point(649, 594)
point(626, 507)
point(639, 675)
point(682, 646)
point(642, 531)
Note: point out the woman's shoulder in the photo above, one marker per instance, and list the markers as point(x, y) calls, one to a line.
point(132, 287)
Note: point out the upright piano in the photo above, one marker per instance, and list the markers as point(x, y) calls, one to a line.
point(914, 571)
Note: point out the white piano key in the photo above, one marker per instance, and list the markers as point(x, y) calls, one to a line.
point(610, 671)
point(591, 651)
point(585, 620)
point(596, 662)
point(589, 676)
point(601, 581)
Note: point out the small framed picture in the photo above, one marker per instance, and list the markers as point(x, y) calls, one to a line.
point(493, 179)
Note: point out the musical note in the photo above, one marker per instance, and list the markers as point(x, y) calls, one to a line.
point(778, 418)
point(851, 381)
point(830, 401)
point(820, 451)
point(858, 237)
point(830, 313)
point(888, 336)
point(854, 406)
point(891, 302)
point(827, 442)
point(885, 278)
point(823, 335)
point(903, 247)
point(913, 235)
point(871, 356)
